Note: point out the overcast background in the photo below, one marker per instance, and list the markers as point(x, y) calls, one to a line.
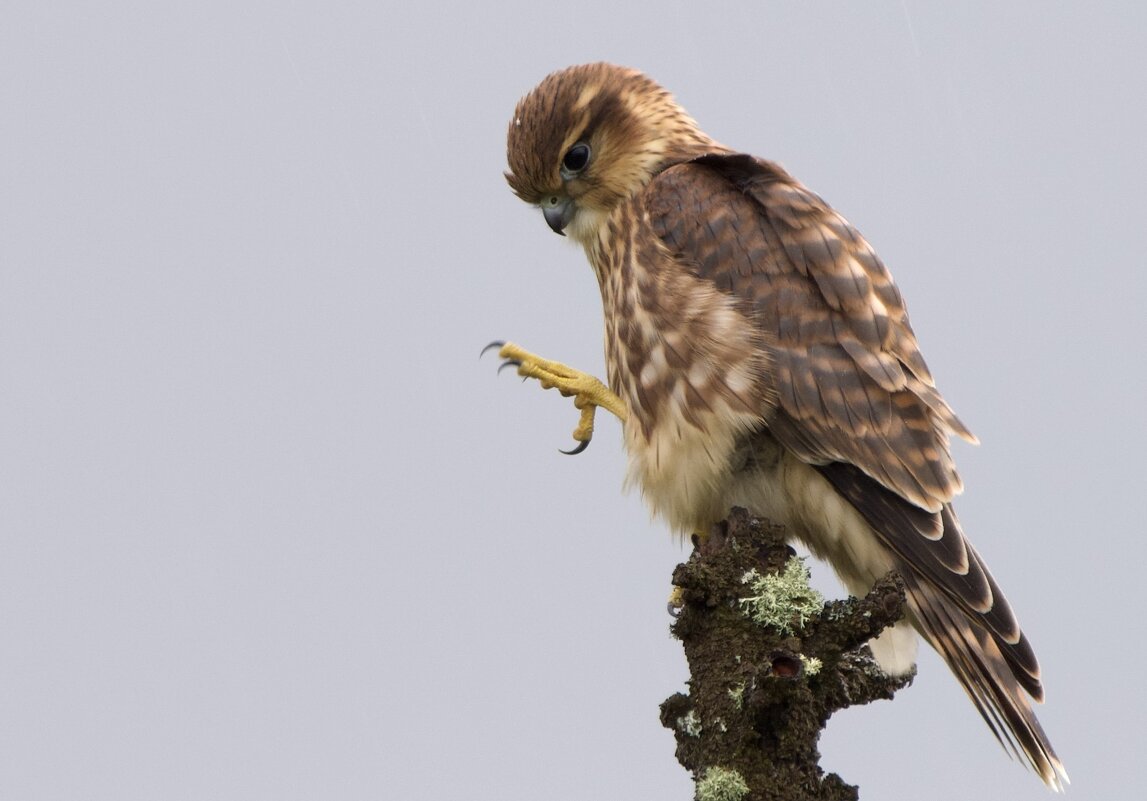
point(269, 529)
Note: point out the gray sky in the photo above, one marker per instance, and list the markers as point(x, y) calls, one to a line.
point(270, 530)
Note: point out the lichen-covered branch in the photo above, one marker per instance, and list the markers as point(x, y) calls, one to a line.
point(769, 663)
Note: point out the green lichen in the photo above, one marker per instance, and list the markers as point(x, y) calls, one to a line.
point(812, 665)
point(783, 601)
point(738, 695)
point(721, 784)
point(690, 724)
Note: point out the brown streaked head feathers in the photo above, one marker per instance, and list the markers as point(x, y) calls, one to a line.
point(632, 125)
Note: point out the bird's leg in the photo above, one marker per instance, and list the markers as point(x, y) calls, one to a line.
point(588, 393)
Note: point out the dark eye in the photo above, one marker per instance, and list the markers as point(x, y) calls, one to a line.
point(576, 158)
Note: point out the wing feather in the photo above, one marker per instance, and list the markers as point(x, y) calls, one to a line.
point(846, 360)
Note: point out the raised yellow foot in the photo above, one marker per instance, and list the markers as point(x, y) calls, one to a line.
point(588, 392)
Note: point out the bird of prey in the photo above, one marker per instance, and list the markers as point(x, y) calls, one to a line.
point(759, 354)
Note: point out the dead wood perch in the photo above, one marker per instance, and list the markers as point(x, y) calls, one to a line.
point(769, 664)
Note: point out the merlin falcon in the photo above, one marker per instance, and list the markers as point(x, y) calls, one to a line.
point(759, 354)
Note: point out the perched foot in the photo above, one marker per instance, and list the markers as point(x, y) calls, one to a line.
point(588, 392)
point(677, 594)
point(712, 539)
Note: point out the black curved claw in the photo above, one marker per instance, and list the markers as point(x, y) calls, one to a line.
point(497, 343)
point(581, 446)
point(509, 363)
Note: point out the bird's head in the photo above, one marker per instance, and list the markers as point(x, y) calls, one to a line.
point(589, 137)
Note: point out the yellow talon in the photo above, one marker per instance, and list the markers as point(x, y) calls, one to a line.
point(588, 392)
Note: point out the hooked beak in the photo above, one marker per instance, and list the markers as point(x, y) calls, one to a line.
point(558, 211)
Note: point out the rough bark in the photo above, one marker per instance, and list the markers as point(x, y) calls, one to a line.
point(759, 696)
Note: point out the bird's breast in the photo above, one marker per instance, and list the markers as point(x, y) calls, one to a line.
point(688, 362)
